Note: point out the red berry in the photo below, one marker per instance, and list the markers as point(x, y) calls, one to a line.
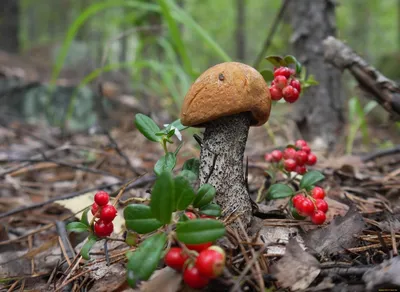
point(108, 213)
point(300, 169)
point(193, 278)
point(318, 217)
point(94, 210)
point(210, 263)
point(289, 153)
point(280, 81)
point(306, 149)
point(292, 72)
point(306, 207)
point(268, 157)
point(321, 205)
point(300, 143)
point(289, 164)
point(296, 84)
point(101, 198)
point(282, 71)
point(103, 229)
point(199, 247)
point(276, 93)
point(297, 199)
point(301, 157)
point(190, 215)
point(318, 193)
point(276, 155)
point(311, 159)
point(175, 258)
point(290, 94)
point(204, 216)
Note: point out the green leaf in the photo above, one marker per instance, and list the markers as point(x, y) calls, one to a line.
point(193, 165)
point(77, 227)
point(205, 195)
point(144, 260)
point(277, 61)
point(268, 75)
point(88, 246)
point(211, 209)
point(177, 124)
point(289, 59)
point(147, 127)
point(165, 163)
point(310, 179)
point(162, 198)
point(189, 175)
point(139, 218)
point(278, 191)
point(184, 193)
point(199, 231)
point(84, 218)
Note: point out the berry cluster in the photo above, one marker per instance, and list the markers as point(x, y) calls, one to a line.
point(285, 85)
point(293, 158)
point(199, 262)
point(312, 205)
point(105, 212)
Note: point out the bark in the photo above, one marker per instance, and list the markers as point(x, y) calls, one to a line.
point(385, 91)
point(240, 30)
point(221, 164)
point(319, 112)
point(9, 26)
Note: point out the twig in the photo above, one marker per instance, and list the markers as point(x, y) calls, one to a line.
point(381, 153)
point(65, 244)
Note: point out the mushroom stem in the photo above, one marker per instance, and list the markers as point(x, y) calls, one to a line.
point(221, 164)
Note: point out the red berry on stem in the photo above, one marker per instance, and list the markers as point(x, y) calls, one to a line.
point(311, 159)
point(290, 94)
point(175, 258)
point(199, 247)
point(300, 169)
point(318, 217)
point(204, 216)
point(101, 198)
point(297, 199)
point(94, 210)
point(292, 72)
point(289, 153)
point(306, 207)
point(280, 81)
point(276, 155)
point(190, 215)
point(268, 157)
point(306, 149)
point(193, 278)
point(276, 93)
point(282, 71)
point(321, 205)
point(289, 164)
point(301, 157)
point(300, 143)
point(103, 229)
point(210, 263)
point(318, 193)
point(108, 213)
point(296, 84)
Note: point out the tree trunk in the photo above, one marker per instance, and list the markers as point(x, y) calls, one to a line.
point(319, 113)
point(9, 26)
point(240, 30)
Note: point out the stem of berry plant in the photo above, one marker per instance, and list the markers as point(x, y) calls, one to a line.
point(164, 145)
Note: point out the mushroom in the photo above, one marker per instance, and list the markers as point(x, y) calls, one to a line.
point(227, 99)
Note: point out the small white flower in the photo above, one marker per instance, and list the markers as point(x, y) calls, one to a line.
point(177, 133)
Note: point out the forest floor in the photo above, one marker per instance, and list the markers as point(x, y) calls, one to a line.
point(47, 179)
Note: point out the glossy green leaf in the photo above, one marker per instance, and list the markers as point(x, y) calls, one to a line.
point(147, 127)
point(193, 165)
point(199, 231)
point(189, 175)
point(165, 163)
point(292, 60)
point(139, 218)
point(184, 193)
point(84, 218)
point(279, 191)
point(277, 61)
point(162, 202)
point(144, 260)
point(211, 209)
point(268, 75)
point(177, 124)
point(77, 227)
point(204, 196)
point(88, 246)
point(310, 179)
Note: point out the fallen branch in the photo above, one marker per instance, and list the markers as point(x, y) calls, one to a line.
point(385, 91)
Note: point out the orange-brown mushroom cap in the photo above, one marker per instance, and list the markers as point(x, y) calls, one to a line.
point(226, 89)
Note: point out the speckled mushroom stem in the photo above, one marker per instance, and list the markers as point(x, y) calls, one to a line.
point(226, 138)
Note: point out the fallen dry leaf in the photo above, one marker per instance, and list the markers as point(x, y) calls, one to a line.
point(385, 277)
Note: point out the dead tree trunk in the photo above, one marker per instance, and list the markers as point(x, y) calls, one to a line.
point(9, 26)
point(319, 112)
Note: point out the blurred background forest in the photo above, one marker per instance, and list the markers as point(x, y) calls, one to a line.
point(70, 62)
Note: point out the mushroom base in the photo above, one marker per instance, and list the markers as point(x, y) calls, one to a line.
point(221, 164)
